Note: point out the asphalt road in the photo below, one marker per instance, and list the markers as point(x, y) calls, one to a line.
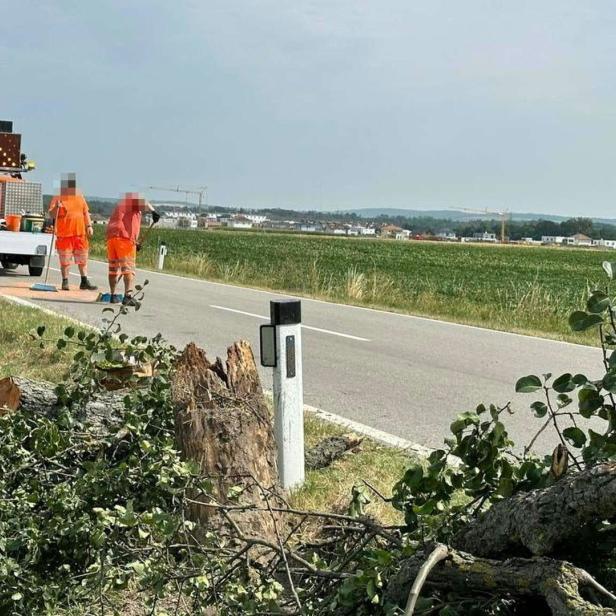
point(404, 375)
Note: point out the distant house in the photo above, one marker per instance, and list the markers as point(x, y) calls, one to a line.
point(390, 230)
point(239, 221)
point(553, 239)
point(404, 234)
point(484, 237)
point(447, 235)
point(579, 239)
point(367, 231)
point(256, 219)
point(605, 243)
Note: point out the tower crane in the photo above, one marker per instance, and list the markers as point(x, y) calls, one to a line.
point(504, 215)
point(200, 191)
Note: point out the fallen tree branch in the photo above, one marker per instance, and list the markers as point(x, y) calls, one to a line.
point(556, 582)
point(439, 553)
point(541, 519)
point(38, 397)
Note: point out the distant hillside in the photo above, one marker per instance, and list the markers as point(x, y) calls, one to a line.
point(459, 216)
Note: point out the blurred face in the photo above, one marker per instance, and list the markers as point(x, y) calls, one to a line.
point(135, 198)
point(68, 184)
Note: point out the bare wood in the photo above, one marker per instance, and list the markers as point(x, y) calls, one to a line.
point(556, 581)
point(541, 519)
point(223, 423)
point(439, 553)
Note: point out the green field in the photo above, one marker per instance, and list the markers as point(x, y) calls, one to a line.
point(513, 288)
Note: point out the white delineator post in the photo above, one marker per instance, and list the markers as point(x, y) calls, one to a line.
point(162, 252)
point(288, 392)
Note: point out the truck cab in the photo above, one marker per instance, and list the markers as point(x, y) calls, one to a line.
point(23, 240)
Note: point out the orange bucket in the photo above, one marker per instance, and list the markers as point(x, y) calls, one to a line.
point(13, 222)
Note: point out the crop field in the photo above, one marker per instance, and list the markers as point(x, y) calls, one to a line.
point(512, 288)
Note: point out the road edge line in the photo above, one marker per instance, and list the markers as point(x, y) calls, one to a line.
point(384, 438)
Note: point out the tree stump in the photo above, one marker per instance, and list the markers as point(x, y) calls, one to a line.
point(223, 423)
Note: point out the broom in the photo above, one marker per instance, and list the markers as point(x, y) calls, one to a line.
point(43, 286)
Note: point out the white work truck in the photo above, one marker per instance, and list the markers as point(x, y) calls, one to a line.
point(21, 203)
point(23, 248)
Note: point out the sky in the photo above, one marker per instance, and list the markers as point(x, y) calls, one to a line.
point(321, 104)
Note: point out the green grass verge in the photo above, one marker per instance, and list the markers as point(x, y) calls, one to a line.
point(20, 354)
point(324, 489)
point(513, 288)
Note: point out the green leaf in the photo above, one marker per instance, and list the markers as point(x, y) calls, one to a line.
point(609, 381)
point(575, 436)
point(413, 476)
point(69, 332)
point(609, 269)
point(564, 383)
point(589, 401)
point(540, 408)
point(580, 321)
point(580, 379)
point(528, 384)
point(598, 302)
point(61, 343)
point(40, 330)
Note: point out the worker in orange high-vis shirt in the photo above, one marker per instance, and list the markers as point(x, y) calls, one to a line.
point(123, 243)
point(73, 227)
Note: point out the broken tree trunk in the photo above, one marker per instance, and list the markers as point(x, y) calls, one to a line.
point(223, 423)
point(541, 519)
point(38, 397)
point(556, 582)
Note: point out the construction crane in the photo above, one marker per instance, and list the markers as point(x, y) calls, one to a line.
point(200, 191)
point(505, 215)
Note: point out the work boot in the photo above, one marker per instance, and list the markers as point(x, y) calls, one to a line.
point(86, 285)
point(129, 300)
point(65, 286)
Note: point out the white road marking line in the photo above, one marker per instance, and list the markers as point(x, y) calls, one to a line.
point(281, 294)
point(316, 329)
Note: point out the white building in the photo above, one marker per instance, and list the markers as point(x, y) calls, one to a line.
point(405, 234)
point(484, 237)
point(256, 219)
point(367, 231)
point(579, 239)
point(553, 239)
point(447, 235)
point(605, 243)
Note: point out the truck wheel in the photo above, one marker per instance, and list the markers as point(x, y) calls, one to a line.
point(35, 271)
point(7, 265)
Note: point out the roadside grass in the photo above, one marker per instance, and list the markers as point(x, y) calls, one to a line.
point(20, 354)
point(325, 489)
point(529, 290)
point(329, 489)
